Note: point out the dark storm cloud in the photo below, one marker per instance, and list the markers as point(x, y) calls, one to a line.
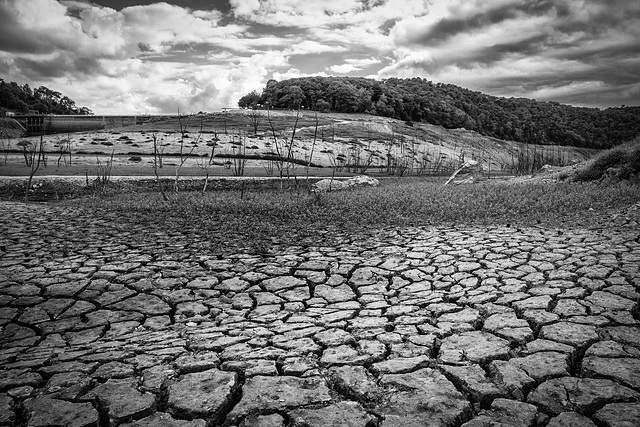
point(13, 39)
point(221, 5)
point(58, 66)
point(447, 28)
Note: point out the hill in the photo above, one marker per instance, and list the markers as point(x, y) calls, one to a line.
point(452, 107)
point(330, 143)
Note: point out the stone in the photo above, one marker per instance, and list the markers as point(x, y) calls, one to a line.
point(162, 419)
point(334, 294)
point(113, 369)
point(610, 348)
point(579, 394)
point(268, 394)
point(624, 370)
point(205, 394)
point(619, 415)
point(476, 346)
point(282, 283)
point(622, 334)
point(19, 377)
point(272, 420)
point(149, 305)
point(400, 365)
point(515, 381)
point(355, 382)
point(473, 381)
point(44, 411)
point(366, 351)
point(68, 385)
point(570, 419)
point(341, 414)
point(7, 414)
point(121, 400)
point(574, 334)
point(155, 377)
point(505, 413)
point(543, 365)
point(423, 397)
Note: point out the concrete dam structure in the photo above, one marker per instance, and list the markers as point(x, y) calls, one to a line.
point(35, 124)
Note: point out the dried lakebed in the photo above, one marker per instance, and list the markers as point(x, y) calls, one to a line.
point(106, 325)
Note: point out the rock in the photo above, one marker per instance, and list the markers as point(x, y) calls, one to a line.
point(113, 369)
point(121, 400)
point(7, 414)
point(570, 419)
point(511, 378)
point(273, 420)
point(624, 370)
point(400, 365)
point(43, 411)
point(149, 305)
point(622, 334)
point(327, 185)
point(619, 415)
point(476, 346)
point(610, 348)
point(68, 385)
point(342, 414)
point(574, 334)
point(355, 382)
point(582, 395)
point(204, 394)
point(155, 377)
point(263, 394)
point(161, 419)
point(19, 377)
point(282, 283)
point(474, 382)
point(543, 365)
point(420, 398)
point(505, 413)
point(366, 351)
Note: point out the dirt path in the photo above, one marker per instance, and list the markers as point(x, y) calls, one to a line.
point(104, 323)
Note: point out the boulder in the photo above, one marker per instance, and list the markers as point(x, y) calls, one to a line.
point(327, 185)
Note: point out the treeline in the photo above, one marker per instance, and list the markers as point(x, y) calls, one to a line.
point(23, 99)
point(450, 106)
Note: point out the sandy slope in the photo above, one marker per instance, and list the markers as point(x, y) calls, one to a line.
point(340, 139)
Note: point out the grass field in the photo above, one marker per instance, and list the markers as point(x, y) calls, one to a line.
point(257, 217)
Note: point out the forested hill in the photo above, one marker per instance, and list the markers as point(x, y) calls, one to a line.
point(23, 99)
point(450, 106)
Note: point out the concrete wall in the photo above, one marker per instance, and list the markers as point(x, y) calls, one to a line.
point(35, 124)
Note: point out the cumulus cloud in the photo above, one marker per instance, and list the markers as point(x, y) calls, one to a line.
point(155, 56)
point(550, 49)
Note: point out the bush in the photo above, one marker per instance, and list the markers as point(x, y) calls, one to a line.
point(621, 162)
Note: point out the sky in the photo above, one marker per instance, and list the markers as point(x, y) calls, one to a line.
point(147, 57)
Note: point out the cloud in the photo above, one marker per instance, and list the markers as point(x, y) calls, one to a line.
point(351, 65)
point(153, 56)
point(534, 49)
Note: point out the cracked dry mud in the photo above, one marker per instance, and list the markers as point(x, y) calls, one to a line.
point(108, 325)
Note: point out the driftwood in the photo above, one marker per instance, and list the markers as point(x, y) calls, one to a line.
point(468, 164)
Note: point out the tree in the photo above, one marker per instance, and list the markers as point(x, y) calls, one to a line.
point(292, 98)
point(451, 106)
point(249, 100)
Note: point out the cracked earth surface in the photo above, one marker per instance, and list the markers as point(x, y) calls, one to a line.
point(105, 325)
